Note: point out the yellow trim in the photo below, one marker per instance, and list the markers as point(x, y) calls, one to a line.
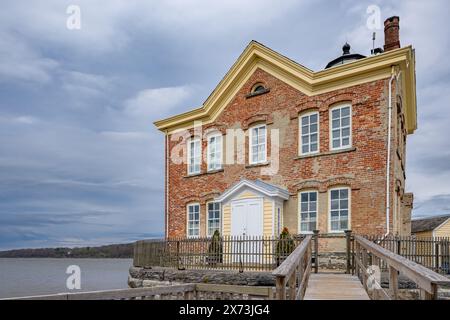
point(303, 79)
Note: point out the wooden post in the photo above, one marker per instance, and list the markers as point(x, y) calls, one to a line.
point(281, 288)
point(393, 282)
point(424, 295)
point(364, 270)
point(436, 256)
point(178, 255)
point(357, 259)
point(316, 251)
point(348, 234)
point(353, 257)
point(292, 286)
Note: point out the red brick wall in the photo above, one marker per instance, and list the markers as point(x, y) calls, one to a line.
point(363, 168)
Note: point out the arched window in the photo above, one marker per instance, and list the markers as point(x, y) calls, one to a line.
point(193, 220)
point(309, 133)
point(339, 209)
point(214, 151)
point(259, 88)
point(341, 127)
point(194, 155)
point(258, 144)
point(307, 207)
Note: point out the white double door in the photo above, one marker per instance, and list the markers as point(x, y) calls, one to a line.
point(246, 220)
point(247, 217)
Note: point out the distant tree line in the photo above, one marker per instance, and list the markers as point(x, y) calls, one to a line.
point(109, 251)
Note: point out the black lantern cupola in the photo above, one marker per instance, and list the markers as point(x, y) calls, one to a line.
point(345, 58)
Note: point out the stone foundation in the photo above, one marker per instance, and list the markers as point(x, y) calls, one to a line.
point(143, 277)
point(333, 261)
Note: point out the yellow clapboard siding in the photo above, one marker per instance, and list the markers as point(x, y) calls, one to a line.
point(267, 218)
point(226, 216)
point(443, 230)
point(424, 234)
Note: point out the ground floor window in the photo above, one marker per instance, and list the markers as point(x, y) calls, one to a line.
point(193, 221)
point(213, 218)
point(308, 211)
point(339, 209)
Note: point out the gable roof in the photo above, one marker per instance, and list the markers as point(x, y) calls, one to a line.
point(260, 186)
point(428, 224)
point(303, 79)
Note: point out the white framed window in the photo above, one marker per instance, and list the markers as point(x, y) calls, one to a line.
point(340, 127)
point(258, 144)
point(194, 155)
point(213, 218)
point(193, 220)
point(339, 218)
point(308, 211)
point(309, 133)
point(214, 152)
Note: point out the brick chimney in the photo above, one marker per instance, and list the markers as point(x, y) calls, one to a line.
point(391, 33)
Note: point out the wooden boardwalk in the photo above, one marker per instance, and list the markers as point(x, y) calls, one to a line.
point(332, 286)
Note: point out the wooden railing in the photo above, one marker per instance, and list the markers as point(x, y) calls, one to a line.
point(293, 274)
point(241, 253)
point(200, 291)
point(431, 252)
point(368, 253)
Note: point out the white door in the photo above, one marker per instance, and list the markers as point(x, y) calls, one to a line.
point(247, 217)
point(246, 220)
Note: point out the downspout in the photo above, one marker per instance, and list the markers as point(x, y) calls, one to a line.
point(167, 187)
point(388, 160)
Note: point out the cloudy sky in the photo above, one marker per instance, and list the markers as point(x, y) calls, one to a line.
point(80, 161)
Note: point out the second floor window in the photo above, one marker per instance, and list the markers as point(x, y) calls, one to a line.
point(340, 127)
point(309, 133)
point(258, 142)
point(194, 155)
point(215, 152)
point(193, 220)
point(213, 218)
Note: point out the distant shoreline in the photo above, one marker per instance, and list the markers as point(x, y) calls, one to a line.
point(113, 251)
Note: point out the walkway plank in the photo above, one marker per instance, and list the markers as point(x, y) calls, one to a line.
point(323, 286)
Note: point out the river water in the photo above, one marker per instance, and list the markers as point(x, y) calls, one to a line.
point(35, 276)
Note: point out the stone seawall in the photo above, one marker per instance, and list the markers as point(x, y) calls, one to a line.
point(143, 277)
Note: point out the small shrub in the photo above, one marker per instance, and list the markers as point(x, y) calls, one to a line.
point(285, 246)
point(215, 249)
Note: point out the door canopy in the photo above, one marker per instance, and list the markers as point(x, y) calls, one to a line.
point(258, 187)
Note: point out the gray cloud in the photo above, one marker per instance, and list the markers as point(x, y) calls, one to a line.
point(81, 163)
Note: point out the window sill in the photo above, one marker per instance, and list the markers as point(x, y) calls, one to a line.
point(328, 153)
point(203, 173)
point(255, 165)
